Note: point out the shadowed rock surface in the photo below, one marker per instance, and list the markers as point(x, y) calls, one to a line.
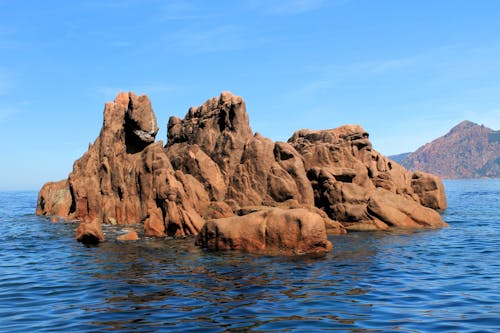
point(214, 167)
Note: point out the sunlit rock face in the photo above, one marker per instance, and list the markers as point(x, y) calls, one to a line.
point(214, 167)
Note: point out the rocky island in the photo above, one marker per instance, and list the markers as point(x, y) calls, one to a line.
point(235, 189)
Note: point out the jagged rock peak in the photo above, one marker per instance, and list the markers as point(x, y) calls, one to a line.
point(141, 118)
point(130, 119)
point(218, 115)
point(220, 127)
point(463, 125)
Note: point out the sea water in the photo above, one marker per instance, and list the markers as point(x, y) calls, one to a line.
point(445, 280)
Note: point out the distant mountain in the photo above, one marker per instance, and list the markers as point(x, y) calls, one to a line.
point(399, 157)
point(469, 150)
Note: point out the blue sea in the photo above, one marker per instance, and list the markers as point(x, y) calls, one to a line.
point(444, 280)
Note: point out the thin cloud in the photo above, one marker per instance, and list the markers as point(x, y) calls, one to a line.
point(120, 44)
point(8, 45)
point(393, 65)
point(109, 4)
point(375, 67)
point(6, 34)
point(5, 83)
point(286, 7)
point(217, 39)
point(177, 11)
point(6, 113)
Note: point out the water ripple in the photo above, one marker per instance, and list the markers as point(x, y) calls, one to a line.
point(404, 281)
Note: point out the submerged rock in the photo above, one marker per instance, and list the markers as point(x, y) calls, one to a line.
point(129, 235)
point(213, 166)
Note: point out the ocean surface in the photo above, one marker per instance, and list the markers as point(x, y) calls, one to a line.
point(444, 280)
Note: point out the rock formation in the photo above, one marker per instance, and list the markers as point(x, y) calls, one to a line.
point(469, 150)
point(213, 168)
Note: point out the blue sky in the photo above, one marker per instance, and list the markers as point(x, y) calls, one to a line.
point(407, 71)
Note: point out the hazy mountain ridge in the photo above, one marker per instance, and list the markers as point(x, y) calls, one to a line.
point(468, 150)
point(399, 157)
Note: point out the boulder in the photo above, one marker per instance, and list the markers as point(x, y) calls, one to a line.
point(401, 212)
point(55, 199)
point(430, 190)
point(90, 232)
point(272, 231)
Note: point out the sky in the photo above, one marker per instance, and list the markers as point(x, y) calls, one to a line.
point(407, 71)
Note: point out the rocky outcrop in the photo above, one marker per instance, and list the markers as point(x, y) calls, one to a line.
point(55, 198)
point(350, 178)
point(468, 150)
point(214, 167)
point(429, 189)
point(271, 231)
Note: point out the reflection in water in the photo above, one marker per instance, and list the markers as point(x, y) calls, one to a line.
point(166, 283)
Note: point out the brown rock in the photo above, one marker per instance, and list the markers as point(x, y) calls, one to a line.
point(154, 225)
point(191, 159)
point(273, 230)
point(103, 183)
point(90, 232)
point(219, 127)
point(398, 211)
point(430, 190)
point(54, 199)
point(269, 172)
point(130, 235)
point(217, 210)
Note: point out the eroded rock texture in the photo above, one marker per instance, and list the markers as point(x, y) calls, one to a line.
point(214, 167)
